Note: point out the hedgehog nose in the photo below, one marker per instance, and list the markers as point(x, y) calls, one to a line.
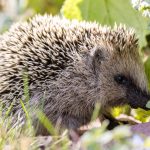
point(142, 101)
point(138, 99)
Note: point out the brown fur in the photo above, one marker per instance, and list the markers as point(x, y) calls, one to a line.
point(71, 66)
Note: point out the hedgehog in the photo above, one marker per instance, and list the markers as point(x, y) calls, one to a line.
point(71, 66)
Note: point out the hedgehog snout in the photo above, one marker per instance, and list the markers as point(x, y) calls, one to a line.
point(138, 98)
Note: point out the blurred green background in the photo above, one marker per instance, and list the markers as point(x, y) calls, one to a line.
point(103, 11)
point(16, 10)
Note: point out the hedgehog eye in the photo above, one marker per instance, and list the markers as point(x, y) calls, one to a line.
point(121, 79)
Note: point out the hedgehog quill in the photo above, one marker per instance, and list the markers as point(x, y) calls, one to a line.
point(71, 66)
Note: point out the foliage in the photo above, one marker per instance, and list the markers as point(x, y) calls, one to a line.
point(143, 6)
point(106, 12)
point(71, 9)
point(45, 6)
point(23, 137)
point(14, 10)
point(113, 140)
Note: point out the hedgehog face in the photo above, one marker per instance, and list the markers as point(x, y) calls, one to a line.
point(121, 78)
point(134, 95)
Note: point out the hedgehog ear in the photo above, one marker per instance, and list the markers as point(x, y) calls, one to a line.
point(97, 54)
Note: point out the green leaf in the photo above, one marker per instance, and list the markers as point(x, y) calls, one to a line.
point(26, 86)
point(148, 104)
point(46, 123)
point(96, 112)
point(147, 70)
point(107, 12)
